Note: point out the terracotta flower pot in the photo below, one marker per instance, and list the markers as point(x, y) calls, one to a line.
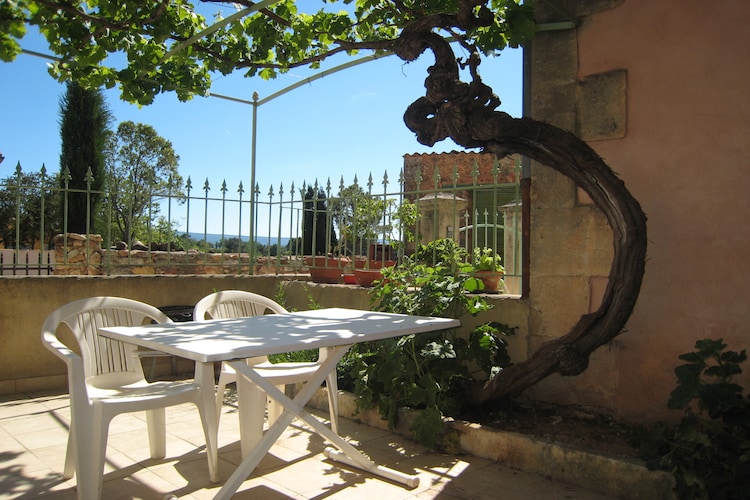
point(364, 263)
point(326, 269)
point(379, 264)
point(490, 279)
point(366, 277)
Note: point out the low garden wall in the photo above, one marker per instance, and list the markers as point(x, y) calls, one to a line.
point(27, 367)
point(83, 255)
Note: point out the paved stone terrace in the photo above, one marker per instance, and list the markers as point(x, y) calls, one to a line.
point(34, 430)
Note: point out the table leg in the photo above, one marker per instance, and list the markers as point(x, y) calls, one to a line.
point(295, 408)
point(291, 408)
point(252, 455)
point(204, 376)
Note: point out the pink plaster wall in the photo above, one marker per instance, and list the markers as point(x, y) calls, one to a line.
point(686, 158)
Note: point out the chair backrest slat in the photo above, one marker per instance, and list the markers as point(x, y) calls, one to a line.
point(228, 304)
point(234, 304)
point(100, 354)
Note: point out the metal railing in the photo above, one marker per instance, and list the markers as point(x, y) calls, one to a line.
point(23, 262)
point(289, 222)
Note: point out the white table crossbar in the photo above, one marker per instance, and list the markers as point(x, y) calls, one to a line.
point(348, 454)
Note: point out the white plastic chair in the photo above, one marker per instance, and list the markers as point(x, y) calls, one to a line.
point(107, 379)
point(238, 303)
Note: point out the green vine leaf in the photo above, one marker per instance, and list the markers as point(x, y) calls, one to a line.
point(177, 45)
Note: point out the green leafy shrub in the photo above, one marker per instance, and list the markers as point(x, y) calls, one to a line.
point(708, 452)
point(427, 371)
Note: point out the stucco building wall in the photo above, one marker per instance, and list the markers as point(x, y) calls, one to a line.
point(658, 89)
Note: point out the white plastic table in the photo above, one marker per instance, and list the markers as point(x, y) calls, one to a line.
point(234, 340)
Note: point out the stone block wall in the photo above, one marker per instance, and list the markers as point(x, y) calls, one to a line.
point(83, 255)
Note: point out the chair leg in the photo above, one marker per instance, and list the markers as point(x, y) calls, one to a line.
point(91, 447)
point(157, 432)
point(70, 454)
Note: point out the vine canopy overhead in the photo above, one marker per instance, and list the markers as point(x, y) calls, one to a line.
point(153, 46)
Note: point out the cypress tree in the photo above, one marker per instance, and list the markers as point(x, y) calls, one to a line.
point(84, 128)
point(316, 220)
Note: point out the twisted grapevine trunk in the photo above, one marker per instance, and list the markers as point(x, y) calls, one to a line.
point(466, 112)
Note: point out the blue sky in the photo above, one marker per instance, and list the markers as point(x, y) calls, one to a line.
point(347, 123)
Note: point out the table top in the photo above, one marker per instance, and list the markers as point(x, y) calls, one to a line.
point(239, 338)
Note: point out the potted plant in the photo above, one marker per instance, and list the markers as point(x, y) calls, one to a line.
point(428, 372)
point(487, 268)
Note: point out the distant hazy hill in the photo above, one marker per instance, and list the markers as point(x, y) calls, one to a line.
point(215, 238)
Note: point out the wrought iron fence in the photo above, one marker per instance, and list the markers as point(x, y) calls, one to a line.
point(24, 262)
point(192, 230)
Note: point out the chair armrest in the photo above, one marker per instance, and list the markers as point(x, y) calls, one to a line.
point(74, 362)
point(59, 349)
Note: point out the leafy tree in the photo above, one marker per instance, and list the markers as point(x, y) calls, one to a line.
point(361, 219)
point(142, 167)
point(261, 249)
point(236, 245)
point(164, 235)
point(232, 245)
point(292, 247)
point(23, 199)
point(171, 47)
point(274, 250)
point(84, 128)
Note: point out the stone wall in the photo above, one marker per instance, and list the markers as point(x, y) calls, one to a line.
point(570, 243)
point(83, 255)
